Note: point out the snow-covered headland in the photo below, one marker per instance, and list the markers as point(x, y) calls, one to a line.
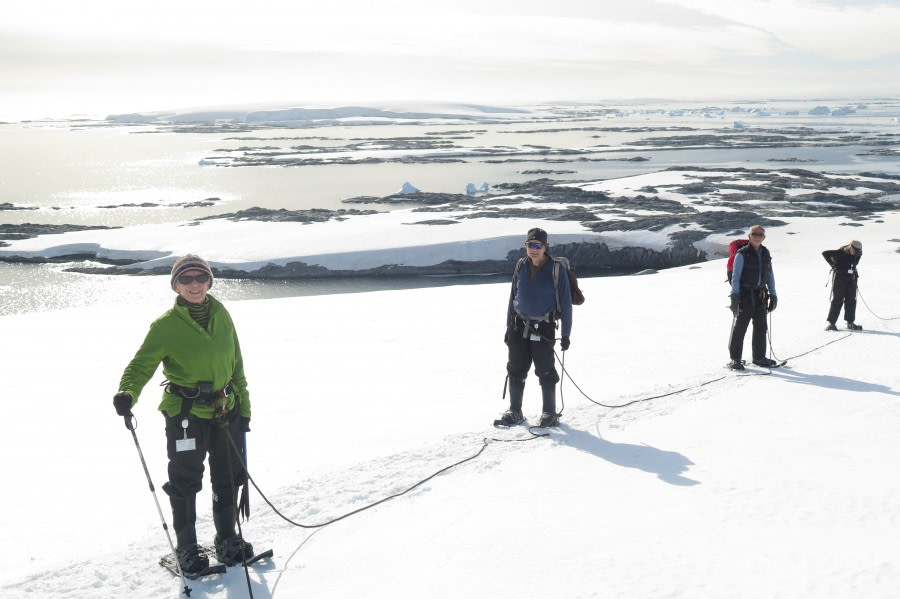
point(669, 218)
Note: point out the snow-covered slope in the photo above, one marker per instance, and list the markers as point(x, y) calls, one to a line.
point(758, 485)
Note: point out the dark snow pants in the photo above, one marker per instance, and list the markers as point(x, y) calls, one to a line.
point(752, 308)
point(524, 351)
point(186, 467)
point(843, 293)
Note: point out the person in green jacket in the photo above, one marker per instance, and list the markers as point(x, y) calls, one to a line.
point(204, 402)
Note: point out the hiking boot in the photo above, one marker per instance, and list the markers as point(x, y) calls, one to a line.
point(548, 398)
point(511, 418)
point(548, 419)
point(853, 326)
point(766, 362)
point(831, 327)
point(233, 550)
point(736, 365)
point(192, 559)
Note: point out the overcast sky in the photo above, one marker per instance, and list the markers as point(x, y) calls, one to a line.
point(61, 57)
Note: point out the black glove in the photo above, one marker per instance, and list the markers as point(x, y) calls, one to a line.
point(506, 336)
point(773, 303)
point(122, 401)
point(245, 424)
point(735, 303)
point(564, 343)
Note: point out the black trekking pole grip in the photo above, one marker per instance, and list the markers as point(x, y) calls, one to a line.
point(128, 421)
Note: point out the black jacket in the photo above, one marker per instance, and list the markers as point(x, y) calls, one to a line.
point(750, 274)
point(844, 264)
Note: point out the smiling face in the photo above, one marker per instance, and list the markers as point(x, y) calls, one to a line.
point(757, 234)
point(192, 285)
point(537, 252)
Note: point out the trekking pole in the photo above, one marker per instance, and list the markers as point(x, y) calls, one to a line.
point(237, 519)
point(562, 401)
point(131, 426)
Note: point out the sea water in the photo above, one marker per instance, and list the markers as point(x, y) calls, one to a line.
point(101, 174)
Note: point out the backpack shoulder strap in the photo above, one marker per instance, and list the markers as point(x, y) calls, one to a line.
point(556, 263)
point(515, 280)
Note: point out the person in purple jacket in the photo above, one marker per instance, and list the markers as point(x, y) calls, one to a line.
point(538, 301)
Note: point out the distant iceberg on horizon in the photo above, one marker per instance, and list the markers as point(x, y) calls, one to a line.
point(408, 187)
point(472, 190)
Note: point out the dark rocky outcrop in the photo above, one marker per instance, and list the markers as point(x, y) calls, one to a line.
point(30, 230)
point(8, 206)
point(592, 258)
point(312, 215)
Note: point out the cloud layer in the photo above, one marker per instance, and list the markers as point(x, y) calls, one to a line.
point(103, 56)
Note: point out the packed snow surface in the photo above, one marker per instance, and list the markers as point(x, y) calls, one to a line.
point(763, 484)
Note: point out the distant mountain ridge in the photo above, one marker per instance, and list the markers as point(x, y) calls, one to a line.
point(473, 112)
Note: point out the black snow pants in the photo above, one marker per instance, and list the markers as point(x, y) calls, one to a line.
point(186, 466)
point(843, 293)
point(527, 347)
point(753, 306)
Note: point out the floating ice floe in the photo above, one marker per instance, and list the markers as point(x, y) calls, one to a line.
point(408, 187)
point(472, 190)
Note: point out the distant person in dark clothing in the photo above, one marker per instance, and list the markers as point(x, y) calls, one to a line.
point(752, 296)
point(537, 302)
point(843, 263)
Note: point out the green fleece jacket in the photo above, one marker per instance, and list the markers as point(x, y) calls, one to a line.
point(190, 355)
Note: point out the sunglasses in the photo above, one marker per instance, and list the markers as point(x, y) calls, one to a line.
point(534, 245)
point(188, 279)
point(757, 234)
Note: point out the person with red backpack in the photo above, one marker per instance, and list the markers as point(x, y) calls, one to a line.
point(538, 301)
point(752, 296)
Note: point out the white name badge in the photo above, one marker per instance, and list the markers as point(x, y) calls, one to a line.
point(185, 444)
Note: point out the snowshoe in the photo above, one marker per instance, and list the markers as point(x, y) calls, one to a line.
point(233, 550)
point(510, 418)
point(852, 326)
point(192, 560)
point(168, 562)
point(548, 419)
point(831, 327)
point(736, 365)
point(765, 362)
